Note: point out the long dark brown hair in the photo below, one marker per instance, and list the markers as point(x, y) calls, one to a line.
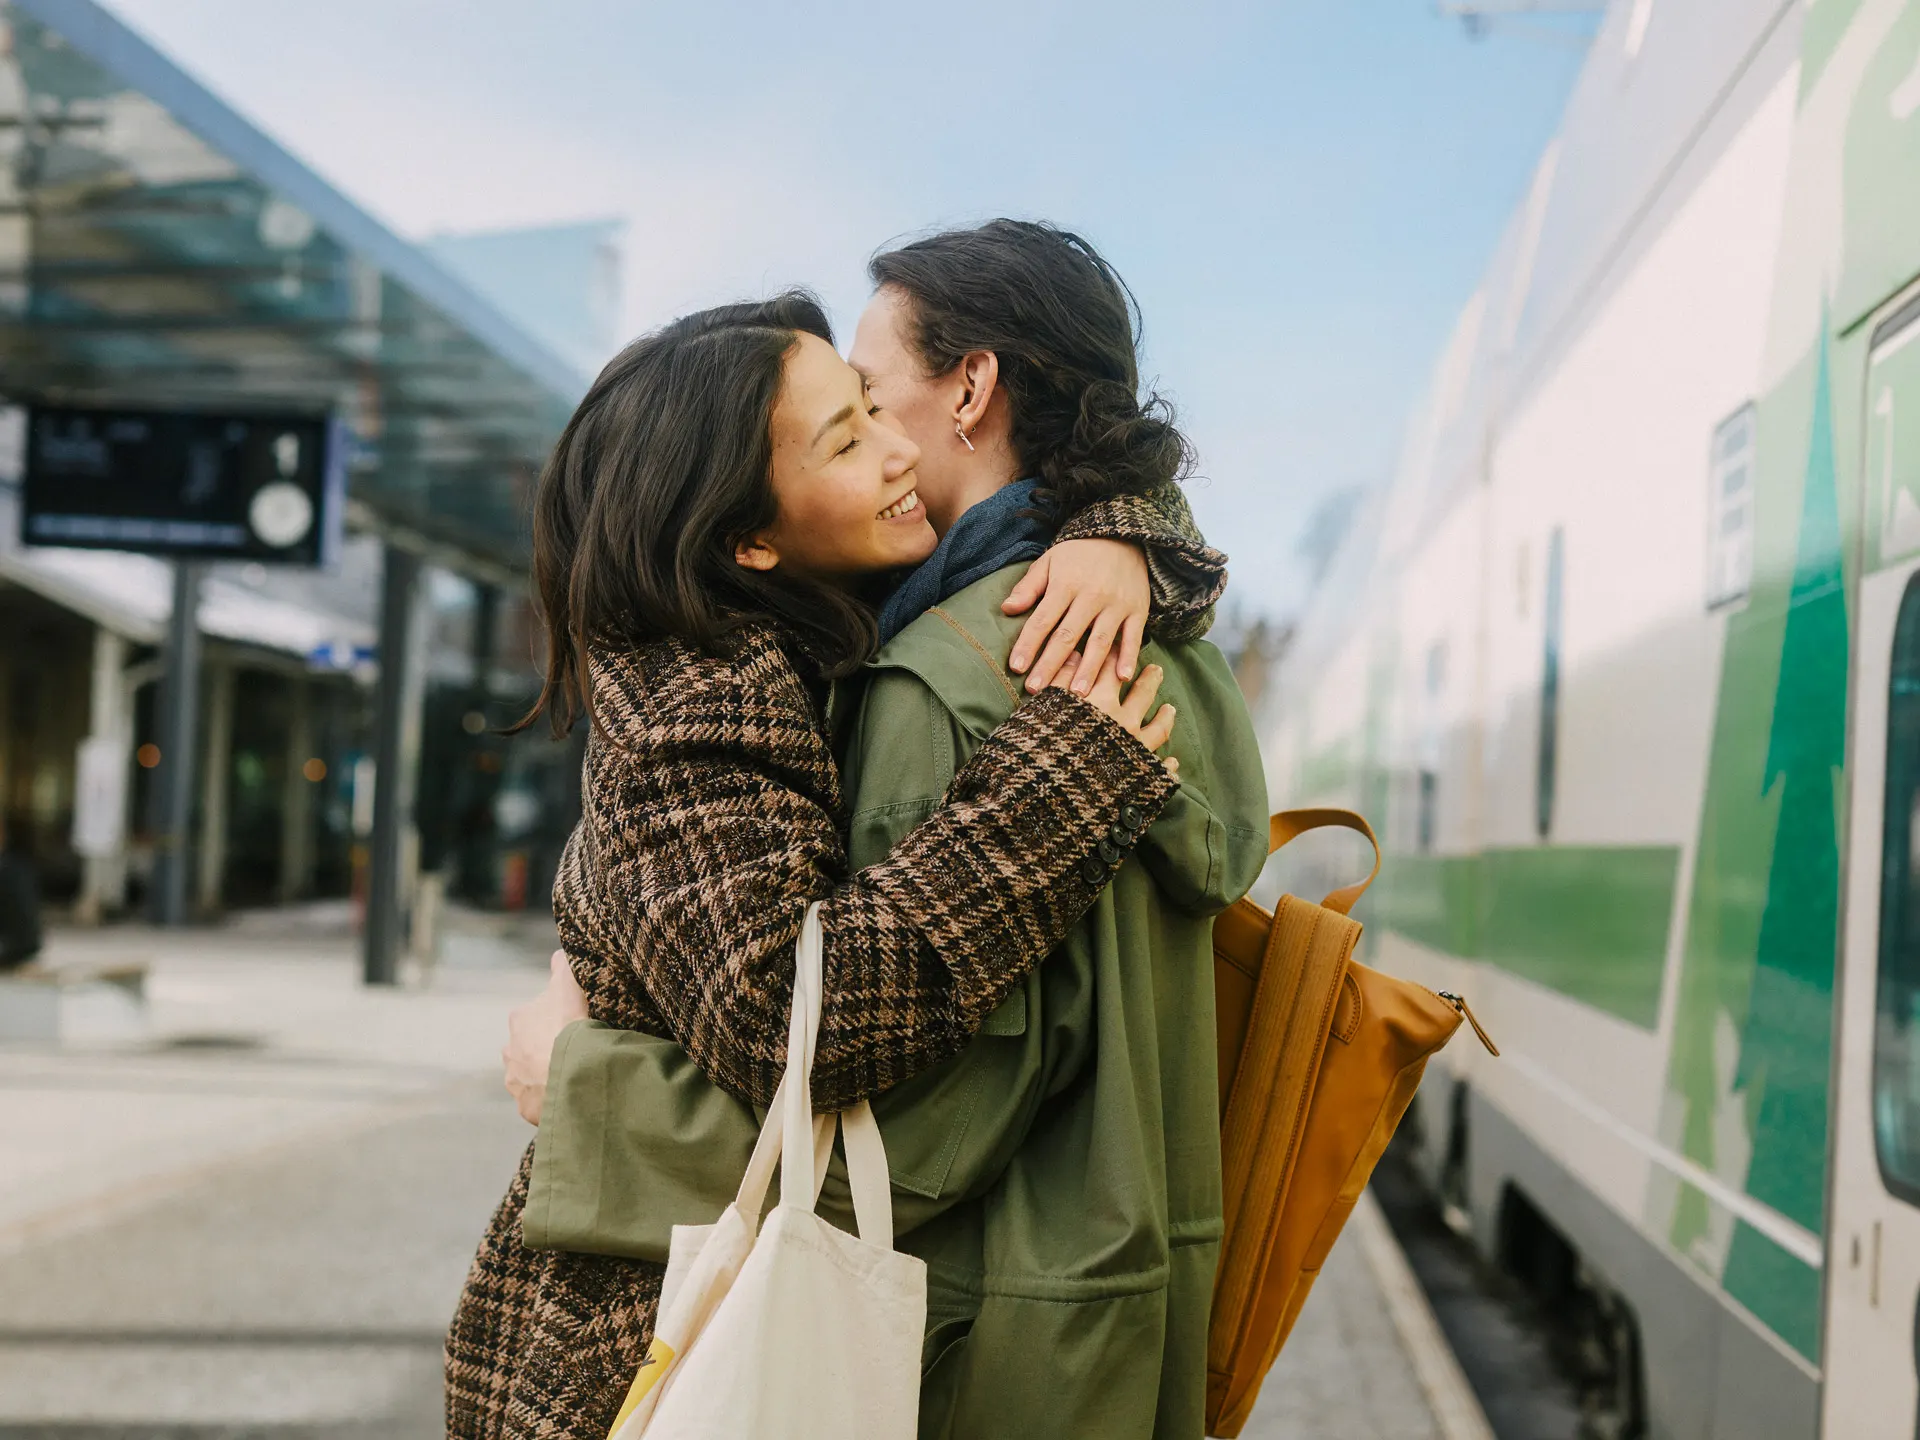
point(1065, 329)
point(665, 466)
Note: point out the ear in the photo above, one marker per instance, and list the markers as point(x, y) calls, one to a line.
point(754, 553)
point(980, 376)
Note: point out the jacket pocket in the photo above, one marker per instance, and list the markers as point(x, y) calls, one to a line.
point(943, 1362)
point(949, 1129)
point(1011, 1016)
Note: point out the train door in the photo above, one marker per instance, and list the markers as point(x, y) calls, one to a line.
point(1872, 1382)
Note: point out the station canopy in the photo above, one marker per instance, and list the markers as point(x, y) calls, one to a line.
point(157, 250)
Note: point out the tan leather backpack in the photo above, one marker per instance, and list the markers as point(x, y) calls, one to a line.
point(1319, 1059)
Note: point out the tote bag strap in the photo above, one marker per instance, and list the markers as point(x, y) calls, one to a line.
point(803, 1029)
point(867, 1175)
point(752, 1195)
point(792, 1129)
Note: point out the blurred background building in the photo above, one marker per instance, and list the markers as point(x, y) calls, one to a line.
point(559, 283)
point(157, 252)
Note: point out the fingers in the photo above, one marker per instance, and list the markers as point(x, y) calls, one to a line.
point(1035, 632)
point(1171, 765)
point(1032, 586)
point(1104, 692)
point(1099, 642)
point(1062, 643)
point(1157, 731)
point(1132, 633)
point(1063, 679)
point(1140, 696)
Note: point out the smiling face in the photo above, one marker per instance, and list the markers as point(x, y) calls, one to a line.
point(921, 404)
point(844, 478)
point(960, 419)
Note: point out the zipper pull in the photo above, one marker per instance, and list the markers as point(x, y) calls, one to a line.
point(1466, 1012)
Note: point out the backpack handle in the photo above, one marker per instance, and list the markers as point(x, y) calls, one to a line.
point(1291, 824)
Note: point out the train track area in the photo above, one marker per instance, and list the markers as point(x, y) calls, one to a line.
point(1527, 1345)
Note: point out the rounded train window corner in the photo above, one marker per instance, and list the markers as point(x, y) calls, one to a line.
point(1896, 1030)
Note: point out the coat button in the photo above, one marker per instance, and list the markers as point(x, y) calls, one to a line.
point(1109, 851)
point(1092, 871)
point(1130, 816)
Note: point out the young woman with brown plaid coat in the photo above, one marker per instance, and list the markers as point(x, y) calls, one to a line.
point(704, 539)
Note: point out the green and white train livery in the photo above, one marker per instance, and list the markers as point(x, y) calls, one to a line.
point(1626, 663)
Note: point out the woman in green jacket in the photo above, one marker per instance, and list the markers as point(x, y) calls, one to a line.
point(1061, 1175)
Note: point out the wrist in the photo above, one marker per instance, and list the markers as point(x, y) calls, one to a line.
point(1112, 761)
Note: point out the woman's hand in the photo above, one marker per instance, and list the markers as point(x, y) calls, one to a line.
point(1090, 593)
point(531, 1030)
point(1128, 710)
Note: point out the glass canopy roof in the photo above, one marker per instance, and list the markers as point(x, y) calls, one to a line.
point(158, 250)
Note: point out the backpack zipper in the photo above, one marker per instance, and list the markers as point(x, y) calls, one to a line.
point(1466, 1013)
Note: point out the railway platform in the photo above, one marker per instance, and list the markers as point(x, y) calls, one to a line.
point(1367, 1360)
point(258, 1212)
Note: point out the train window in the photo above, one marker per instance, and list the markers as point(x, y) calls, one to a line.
point(1896, 1035)
point(1730, 509)
point(1427, 823)
point(1547, 774)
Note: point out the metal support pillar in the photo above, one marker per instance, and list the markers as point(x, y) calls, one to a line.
point(392, 800)
point(297, 795)
point(105, 758)
point(486, 631)
point(179, 740)
point(475, 844)
point(217, 763)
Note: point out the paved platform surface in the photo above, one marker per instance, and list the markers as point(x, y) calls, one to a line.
point(254, 1219)
point(1366, 1360)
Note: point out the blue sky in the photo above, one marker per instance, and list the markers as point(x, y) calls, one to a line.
point(1300, 194)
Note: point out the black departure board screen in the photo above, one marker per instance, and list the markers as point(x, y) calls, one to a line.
point(265, 488)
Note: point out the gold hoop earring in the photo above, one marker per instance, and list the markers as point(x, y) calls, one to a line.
point(963, 437)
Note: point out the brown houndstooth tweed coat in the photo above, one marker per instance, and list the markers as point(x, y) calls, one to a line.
point(712, 814)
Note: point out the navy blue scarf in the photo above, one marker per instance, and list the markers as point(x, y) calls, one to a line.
point(989, 537)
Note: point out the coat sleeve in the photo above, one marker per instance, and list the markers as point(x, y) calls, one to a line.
point(633, 1141)
point(721, 846)
point(1187, 575)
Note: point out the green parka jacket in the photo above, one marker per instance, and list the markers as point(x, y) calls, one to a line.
point(1061, 1177)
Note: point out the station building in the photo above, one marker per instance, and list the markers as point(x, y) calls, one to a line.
point(159, 252)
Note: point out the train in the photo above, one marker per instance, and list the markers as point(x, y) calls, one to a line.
point(1623, 661)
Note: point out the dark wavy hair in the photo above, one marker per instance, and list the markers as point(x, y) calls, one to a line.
point(1066, 330)
point(665, 466)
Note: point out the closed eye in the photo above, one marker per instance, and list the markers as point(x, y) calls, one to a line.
point(872, 409)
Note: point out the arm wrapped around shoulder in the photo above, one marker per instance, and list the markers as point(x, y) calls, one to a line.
point(1187, 575)
point(999, 875)
point(713, 828)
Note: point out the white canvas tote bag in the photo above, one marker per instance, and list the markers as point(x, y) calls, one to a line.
point(792, 1329)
